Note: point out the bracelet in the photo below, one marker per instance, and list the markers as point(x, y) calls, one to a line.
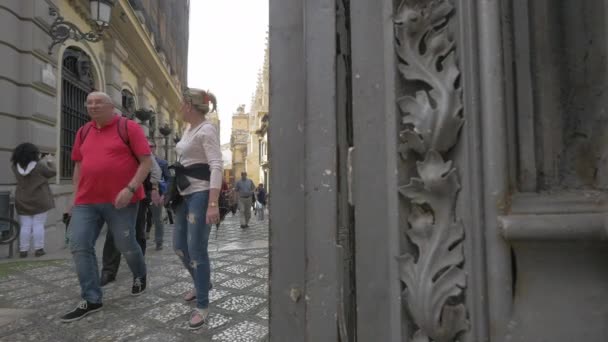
point(131, 189)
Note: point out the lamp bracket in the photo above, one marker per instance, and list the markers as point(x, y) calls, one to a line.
point(62, 30)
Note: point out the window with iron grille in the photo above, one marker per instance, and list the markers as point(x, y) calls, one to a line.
point(77, 83)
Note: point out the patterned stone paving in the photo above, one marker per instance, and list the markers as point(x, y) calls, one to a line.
point(241, 304)
point(215, 294)
point(242, 332)
point(218, 277)
point(263, 314)
point(262, 289)
point(239, 283)
point(239, 298)
point(238, 269)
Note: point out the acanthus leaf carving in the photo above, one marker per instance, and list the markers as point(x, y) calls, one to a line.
point(433, 275)
point(428, 54)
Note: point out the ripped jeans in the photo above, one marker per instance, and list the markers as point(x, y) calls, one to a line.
point(190, 242)
point(85, 226)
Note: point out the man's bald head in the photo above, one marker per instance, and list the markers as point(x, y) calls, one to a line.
point(100, 95)
point(100, 107)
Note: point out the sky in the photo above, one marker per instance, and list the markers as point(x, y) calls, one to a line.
point(226, 51)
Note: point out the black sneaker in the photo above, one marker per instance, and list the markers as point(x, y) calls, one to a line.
point(139, 286)
point(39, 252)
point(83, 309)
point(23, 254)
point(106, 278)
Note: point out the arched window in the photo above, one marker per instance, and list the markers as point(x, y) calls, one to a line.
point(77, 83)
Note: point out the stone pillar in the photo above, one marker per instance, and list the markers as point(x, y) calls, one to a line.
point(165, 117)
point(116, 54)
point(144, 102)
point(143, 84)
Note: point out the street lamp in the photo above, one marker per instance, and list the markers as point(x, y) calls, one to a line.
point(61, 30)
point(101, 12)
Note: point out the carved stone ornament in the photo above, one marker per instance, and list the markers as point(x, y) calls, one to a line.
point(432, 272)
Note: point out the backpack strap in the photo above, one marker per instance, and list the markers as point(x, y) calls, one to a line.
point(122, 127)
point(85, 131)
point(123, 132)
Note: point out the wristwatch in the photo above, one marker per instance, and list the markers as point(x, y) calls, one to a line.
point(213, 204)
point(131, 189)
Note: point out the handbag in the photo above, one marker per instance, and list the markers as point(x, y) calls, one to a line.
point(173, 198)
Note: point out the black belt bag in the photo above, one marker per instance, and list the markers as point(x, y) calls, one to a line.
point(180, 180)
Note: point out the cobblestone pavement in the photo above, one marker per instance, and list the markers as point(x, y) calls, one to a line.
point(239, 300)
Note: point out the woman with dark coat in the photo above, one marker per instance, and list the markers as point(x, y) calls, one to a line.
point(33, 196)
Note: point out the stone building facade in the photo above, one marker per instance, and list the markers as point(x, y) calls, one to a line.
point(257, 158)
point(227, 156)
point(239, 141)
point(167, 21)
point(140, 62)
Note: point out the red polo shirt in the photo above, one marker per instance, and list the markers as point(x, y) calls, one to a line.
point(106, 162)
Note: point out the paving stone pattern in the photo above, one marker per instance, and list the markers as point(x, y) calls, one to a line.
point(239, 299)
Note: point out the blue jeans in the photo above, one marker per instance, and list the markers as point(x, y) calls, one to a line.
point(190, 242)
point(85, 226)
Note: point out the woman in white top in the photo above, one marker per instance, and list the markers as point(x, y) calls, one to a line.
point(199, 149)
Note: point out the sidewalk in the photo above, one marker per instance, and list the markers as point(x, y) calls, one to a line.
point(239, 300)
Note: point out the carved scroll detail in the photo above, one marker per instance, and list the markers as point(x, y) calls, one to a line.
point(432, 275)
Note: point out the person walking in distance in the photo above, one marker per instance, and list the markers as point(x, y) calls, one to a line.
point(245, 191)
point(33, 196)
point(198, 178)
point(112, 159)
point(157, 209)
point(260, 195)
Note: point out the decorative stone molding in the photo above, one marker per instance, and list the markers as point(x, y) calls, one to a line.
point(142, 18)
point(120, 51)
point(432, 272)
point(148, 84)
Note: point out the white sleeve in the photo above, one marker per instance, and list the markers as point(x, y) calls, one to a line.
point(213, 152)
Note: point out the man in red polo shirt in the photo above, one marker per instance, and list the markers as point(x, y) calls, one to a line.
point(112, 159)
